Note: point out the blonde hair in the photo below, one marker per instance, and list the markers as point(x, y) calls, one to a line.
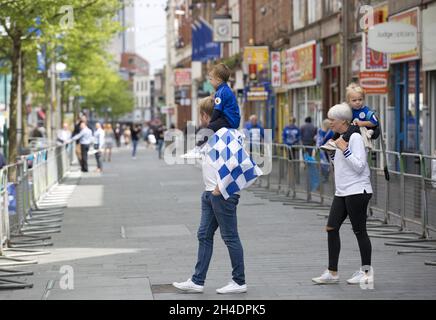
point(221, 71)
point(206, 106)
point(326, 124)
point(341, 112)
point(354, 88)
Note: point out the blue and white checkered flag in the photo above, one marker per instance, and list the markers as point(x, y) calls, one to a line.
point(235, 168)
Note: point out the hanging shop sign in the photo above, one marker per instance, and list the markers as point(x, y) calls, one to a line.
point(222, 29)
point(301, 64)
point(257, 94)
point(182, 77)
point(276, 70)
point(256, 55)
point(374, 82)
point(403, 43)
point(428, 38)
point(375, 60)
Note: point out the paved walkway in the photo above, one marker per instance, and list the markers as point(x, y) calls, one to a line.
point(131, 231)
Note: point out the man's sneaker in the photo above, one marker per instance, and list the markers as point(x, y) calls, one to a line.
point(232, 287)
point(362, 277)
point(193, 154)
point(188, 286)
point(326, 278)
point(329, 146)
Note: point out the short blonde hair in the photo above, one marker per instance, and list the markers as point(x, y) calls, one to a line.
point(354, 88)
point(326, 124)
point(206, 106)
point(341, 112)
point(221, 71)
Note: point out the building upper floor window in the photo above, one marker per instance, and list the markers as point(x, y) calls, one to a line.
point(332, 6)
point(314, 10)
point(298, 13)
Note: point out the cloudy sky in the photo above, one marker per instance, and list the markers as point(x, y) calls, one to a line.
point(150, 20)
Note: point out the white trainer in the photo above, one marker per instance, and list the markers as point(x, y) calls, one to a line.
point(329, 146)
point(193, 154)
point(326, 278)
point(188, 286)
point(362, 277)
point(232, 287)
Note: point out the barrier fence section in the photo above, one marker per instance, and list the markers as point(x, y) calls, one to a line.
point(407, 200)
point(34, 175)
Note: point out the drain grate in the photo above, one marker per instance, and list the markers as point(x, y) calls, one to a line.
point(163, 288)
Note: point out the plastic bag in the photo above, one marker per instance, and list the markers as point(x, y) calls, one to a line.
point(152, 139)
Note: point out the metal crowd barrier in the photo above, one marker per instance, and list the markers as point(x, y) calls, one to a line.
point(23, 222)
point(402, 209)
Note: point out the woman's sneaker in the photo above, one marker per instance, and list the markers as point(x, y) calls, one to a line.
point(232, 287)
point(326, 278)
point(188, 286)
point(362, 277)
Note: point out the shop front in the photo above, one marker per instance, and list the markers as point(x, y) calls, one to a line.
point(302, 74)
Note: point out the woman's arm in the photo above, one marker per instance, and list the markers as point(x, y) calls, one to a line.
point(355, 152)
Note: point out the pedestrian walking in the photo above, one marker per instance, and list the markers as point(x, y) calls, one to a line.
point(127, 134)
point(135, 133)
point(216, 212)
point(85, 139)
point(160, 138)
point(109, 140)
point(308, 132)
point(118, 133)
point(98, 145)
point(353, 192)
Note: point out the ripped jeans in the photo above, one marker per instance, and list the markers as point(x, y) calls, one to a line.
point(355, 207)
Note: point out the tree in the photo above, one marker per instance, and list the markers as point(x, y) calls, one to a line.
point(18, 20)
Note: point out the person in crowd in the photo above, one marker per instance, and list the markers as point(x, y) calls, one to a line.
point(352, 196)
point(98, 145)
point(85, 139)
point(216, 212)
point(109, 141)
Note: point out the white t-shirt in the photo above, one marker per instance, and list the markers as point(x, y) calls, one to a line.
point(352, 174)
point(209, 175)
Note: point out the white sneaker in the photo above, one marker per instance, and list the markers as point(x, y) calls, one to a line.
point(326, 278)
point(362, 277)
point(232, 287)
point(188, 286)
point(193, 154)
point(329, 146)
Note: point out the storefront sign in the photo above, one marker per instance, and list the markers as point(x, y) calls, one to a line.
point(375, 60)
point(276, 72)
point(407, 37)
point(428, 38)
point(374, 82)
point(301, 64)
point(257, 94)
point(182, 77)
point(256, 55)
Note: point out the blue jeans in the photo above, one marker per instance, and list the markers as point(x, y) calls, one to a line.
point(135, 145)
point(218, 212)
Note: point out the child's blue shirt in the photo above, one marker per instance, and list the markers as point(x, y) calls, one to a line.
point(225, 101)
point(365, 114)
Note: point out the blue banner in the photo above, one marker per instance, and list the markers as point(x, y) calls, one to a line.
point(203, 46)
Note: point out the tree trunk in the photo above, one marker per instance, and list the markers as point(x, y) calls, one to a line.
point(24, 126)
point(16, 48)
